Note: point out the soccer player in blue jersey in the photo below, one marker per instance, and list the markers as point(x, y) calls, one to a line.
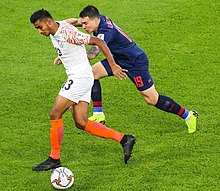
point(129, 57)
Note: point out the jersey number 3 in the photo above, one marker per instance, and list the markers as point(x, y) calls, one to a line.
point(67, 84)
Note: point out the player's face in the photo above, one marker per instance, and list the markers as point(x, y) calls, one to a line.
point(90, 25)
point(43, 27)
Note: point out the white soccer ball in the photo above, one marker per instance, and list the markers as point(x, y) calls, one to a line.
point(62, 178)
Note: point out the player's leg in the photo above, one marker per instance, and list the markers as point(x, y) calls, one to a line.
point(68, 96)
point(152, 97)
point(56, 134)
point(79, 112)
point(167, 104)
point(100, 70)
point(144, 83)
point(57, 129)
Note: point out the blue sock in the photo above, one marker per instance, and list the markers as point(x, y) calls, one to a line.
point(97, 97)
point(167, 104)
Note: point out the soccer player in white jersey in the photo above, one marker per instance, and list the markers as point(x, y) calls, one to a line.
point(69, 43)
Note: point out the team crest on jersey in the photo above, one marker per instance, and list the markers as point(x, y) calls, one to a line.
point(60, 43)
point(101, 36)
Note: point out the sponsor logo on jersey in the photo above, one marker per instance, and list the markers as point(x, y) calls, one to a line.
point(101, 36)
point(60, 43)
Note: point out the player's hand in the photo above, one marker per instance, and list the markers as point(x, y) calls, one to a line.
point(57, 61)
point(74, 21)
point(119, 72)
point(79, 21)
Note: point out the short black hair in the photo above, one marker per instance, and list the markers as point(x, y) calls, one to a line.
point(40, 15)
point(89, 11)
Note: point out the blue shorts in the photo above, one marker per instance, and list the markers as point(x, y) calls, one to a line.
point(137, 71)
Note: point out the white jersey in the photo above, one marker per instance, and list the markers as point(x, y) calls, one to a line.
point(69, 44)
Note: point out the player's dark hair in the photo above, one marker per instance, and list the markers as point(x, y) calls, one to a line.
point(89, 11)
point(40, 15)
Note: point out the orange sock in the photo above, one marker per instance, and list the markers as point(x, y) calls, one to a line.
point(56, 136)
point(101, 130)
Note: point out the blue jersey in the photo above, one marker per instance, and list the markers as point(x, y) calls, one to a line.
point(126, 54)
point(122, 47)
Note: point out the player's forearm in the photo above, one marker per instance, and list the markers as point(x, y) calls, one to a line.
point(103, 48)
point(74, 21)
point(93, 52)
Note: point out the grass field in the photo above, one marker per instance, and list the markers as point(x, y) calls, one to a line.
point(182, 40)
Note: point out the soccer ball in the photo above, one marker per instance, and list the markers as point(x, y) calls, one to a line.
point(62, 178)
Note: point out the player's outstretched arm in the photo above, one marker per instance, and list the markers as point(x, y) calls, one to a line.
point(116, 69)
point(73, 21)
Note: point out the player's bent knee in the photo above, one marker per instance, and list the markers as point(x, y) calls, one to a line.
point(96, 76)
point(80, 125)
point(54, 115)
point(151, 101)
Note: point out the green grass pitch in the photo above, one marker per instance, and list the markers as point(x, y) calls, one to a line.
point(182, 40)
